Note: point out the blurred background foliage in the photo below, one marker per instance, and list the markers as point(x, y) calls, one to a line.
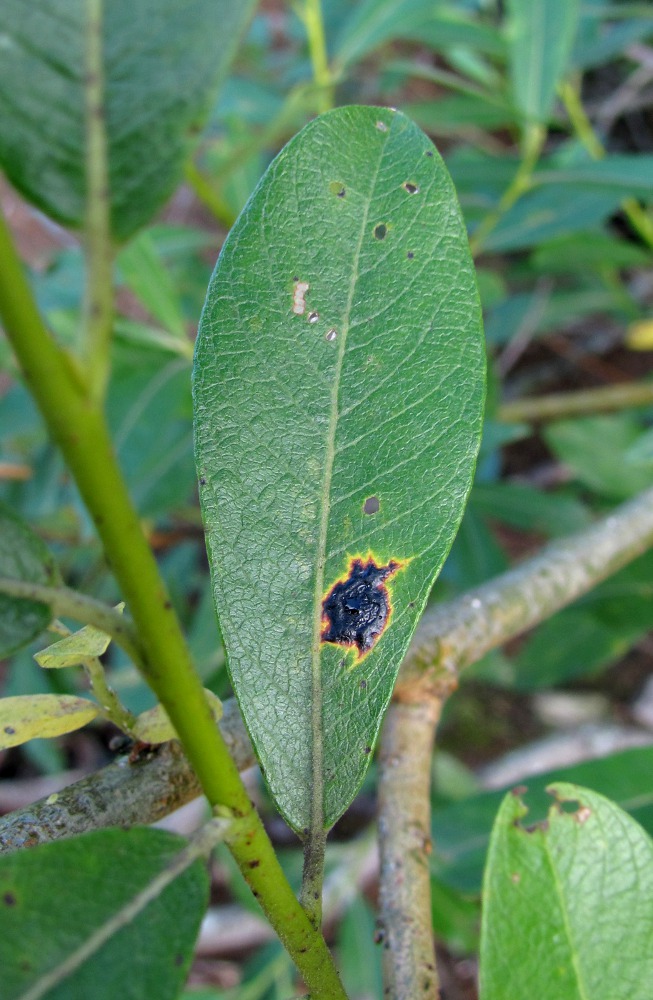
point(549, 139)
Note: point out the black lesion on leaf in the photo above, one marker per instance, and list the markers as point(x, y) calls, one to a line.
point(356, 610)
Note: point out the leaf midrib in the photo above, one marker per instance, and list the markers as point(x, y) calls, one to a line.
point(317, 755)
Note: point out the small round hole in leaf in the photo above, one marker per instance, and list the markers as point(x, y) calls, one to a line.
point(380, 231)
point(371, 505)
point(410, 187)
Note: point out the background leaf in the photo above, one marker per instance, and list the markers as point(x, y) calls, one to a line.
point(162, 66)
point(541, 35)
point(23, 556)
point(367, 382)
point(96, 878)
point(595, 448)
point(578, 890)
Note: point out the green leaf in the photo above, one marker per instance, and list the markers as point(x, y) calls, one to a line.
point(550, 212)
point(144, 273)
point(574, 643)
point(595, 449)
point(26, 717)
point(374, 22)
point(529, 509)
point(461, 831)
point(458, 114)
point(149, 410)
point(628, 175)
point(598, 41)
point(73, 650)
point(580, 254)
point(339, 367)
point(567, 904)
point(541, 35)
point(161, 67)
point(359, 957)
point(23, 556)
point(448, 31)
point(110, 914)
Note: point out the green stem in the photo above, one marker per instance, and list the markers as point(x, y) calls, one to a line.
point(77, 424)
point(107, 697)
point(637, 216)
point(311, 15)
point(98, 299)
point(560, 405)
point(533, 141)
point(97, 678)
point(248, 840)
point(207, 193)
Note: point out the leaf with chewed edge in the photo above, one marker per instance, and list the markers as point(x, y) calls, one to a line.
point(567, 903)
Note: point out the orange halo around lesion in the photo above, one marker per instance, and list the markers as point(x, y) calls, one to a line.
point(360, 562)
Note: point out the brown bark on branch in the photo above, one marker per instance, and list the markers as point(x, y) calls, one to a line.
point(121, 794)
point(409, 968)
point(453, 635)
point(450, 637)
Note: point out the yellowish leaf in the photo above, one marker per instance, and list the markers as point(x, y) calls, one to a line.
point(154, 726)
point(26, 717)
point(639, 336)
point(85, 644)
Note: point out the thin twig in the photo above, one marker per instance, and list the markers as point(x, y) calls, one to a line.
point(72, 604)
point(405, 843)
point(560, 405)
point(636, 214)
point(451, 637)
point(454, 635)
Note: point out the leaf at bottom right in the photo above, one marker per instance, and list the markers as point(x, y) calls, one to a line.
point(567, 903)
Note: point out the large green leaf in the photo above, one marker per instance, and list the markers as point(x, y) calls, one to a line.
point(541, 35)
point(567, 905)
point(339, 369)
point(163, 61)
point(23, 557)
point(110, 914)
